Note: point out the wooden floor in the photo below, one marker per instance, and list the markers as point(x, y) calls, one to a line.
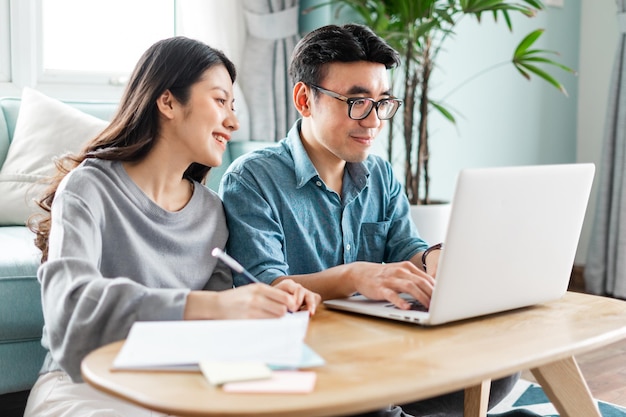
point(603, 369)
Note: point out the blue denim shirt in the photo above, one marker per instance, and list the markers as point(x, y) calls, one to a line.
point(283, 220)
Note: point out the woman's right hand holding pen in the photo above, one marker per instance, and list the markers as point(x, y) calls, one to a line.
point(252, 301)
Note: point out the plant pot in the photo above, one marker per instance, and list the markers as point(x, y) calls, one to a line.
point(431, 221)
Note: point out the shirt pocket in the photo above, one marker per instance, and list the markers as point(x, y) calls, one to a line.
point(373, 241)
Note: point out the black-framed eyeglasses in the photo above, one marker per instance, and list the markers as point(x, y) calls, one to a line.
point(361, 107)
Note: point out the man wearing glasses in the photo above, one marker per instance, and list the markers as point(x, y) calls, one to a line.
point(318, 208)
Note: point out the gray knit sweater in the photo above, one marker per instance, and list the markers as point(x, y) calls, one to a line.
point(116, 257)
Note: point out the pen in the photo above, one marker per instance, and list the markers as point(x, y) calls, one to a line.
point(234, 265)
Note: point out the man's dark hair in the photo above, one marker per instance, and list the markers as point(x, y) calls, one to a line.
point(333, 43)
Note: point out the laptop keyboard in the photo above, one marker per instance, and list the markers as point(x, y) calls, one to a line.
point(415, 305)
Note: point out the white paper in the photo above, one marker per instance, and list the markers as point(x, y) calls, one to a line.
point(183, 344)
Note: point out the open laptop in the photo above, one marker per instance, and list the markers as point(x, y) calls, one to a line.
point(510, 243)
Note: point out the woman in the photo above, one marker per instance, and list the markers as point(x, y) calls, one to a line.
point(129, 226)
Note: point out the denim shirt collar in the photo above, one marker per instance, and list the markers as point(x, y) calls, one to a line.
point(304, 168)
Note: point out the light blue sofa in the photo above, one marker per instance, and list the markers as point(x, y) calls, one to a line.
point(21, 319)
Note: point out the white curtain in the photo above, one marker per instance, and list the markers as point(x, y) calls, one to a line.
point(220, 24)
point(272, 32)
point(605, 269)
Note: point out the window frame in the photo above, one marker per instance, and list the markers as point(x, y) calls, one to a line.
point(5, 42)
point(92, 78)
point(21, 53)
point(25, 47)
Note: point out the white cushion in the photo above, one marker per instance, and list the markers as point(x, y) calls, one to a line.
point(45, 129)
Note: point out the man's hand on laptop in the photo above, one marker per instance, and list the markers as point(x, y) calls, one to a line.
point(387, 281)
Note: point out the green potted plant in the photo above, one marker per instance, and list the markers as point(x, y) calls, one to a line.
point(418, 29)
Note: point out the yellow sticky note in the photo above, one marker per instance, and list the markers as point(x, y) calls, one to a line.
point(218, 373)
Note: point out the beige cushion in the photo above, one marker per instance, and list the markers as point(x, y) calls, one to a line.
point(45, 129)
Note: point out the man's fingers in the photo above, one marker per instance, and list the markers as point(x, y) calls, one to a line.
point(394, 297)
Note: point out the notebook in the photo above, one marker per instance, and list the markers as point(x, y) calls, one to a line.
point(510, 243)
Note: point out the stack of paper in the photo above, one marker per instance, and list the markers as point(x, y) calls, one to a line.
point(230, 350)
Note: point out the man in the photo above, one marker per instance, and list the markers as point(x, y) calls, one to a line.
point(318, 208)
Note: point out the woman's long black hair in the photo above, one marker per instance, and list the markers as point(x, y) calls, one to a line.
point(173, 64)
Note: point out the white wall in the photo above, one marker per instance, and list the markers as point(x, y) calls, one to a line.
point(598, 44)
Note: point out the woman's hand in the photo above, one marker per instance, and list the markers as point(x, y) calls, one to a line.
point(252, 301)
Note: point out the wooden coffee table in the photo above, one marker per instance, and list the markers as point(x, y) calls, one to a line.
point(371, 363)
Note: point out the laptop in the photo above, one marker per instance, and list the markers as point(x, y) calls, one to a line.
point(510, 243)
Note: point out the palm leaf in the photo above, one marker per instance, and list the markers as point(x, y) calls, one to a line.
point(445, 112)
point(543, 75)
point(523, 59)
point(548, 62)
point(527, 42)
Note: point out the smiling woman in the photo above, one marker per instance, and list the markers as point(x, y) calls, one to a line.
point(135, 191)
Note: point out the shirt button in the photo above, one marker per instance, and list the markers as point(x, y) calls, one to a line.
point(348, 246)
point(318, 183)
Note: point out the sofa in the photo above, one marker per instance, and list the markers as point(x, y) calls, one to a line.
point(21, 319)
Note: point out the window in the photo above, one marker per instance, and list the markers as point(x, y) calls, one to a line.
point(86, 49)
point(5, 45)
point(100, 41)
